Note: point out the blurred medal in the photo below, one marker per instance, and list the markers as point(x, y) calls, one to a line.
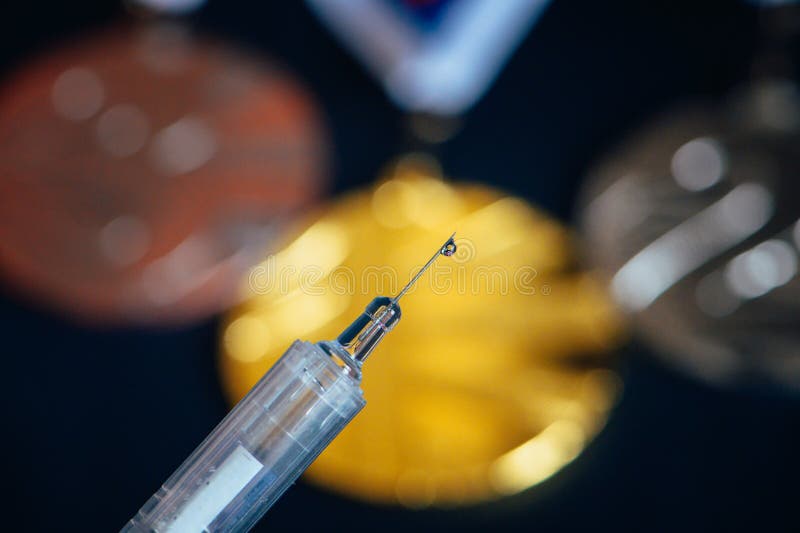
point(694, 221)
point(498, 375)
point(142, 169)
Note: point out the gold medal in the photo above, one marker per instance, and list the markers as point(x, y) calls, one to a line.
point(498, 375)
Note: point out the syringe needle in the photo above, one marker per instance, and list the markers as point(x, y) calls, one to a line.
point(276, 431)
point(448, 249)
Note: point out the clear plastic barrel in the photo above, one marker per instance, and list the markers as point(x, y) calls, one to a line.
point(262, 446)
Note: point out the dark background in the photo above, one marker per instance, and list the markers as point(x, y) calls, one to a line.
point(95, 420)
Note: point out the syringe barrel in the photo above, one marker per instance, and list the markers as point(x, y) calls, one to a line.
point(262, 446)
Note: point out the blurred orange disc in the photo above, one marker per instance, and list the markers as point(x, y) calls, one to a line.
point(143, 170)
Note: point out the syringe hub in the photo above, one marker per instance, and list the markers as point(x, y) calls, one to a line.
point(361, 337)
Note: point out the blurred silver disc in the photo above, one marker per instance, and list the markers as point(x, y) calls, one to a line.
point(694, 222)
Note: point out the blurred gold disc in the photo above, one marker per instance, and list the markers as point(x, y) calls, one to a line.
point(498, 373)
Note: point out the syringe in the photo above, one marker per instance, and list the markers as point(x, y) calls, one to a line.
point(274, 433)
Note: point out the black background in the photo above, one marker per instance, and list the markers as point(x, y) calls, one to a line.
point(95, 420)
